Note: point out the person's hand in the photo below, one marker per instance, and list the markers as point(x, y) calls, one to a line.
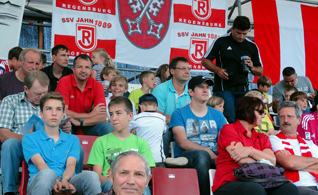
point(67, 128)
point(32, 129)
point(285, 152)
point(311, 96)
point(64, 184)
point(249, 62)
point(99, 109)
point(222, 74)
point(105, 87)
point(239, 152)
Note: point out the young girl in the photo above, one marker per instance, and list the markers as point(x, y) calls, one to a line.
point(162, 74)
point(216, 103)
point(100, 59)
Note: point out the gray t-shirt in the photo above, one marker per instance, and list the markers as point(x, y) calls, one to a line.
point(303, 84)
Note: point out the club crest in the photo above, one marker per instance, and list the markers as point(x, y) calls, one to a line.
point(198, 47)
point(86, 37)
point(201, 9)
point(144, 22)
point(88, 2)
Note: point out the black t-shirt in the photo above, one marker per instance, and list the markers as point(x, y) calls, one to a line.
point(53, 80)
point(227, 53)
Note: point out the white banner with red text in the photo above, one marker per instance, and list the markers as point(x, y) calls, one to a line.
point(286, 34)
point(146, 33)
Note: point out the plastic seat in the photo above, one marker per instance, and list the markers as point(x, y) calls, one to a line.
point(174, 181)
point(24, 179)
point(86, 141)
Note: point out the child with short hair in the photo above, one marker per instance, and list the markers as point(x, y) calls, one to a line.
point(107, 147)
point(301, 98)
point(107, 73)
point(118, 86)
point(150, 125)
point(264, 84)
point(147, 81)
point(51, 155)
point(100, 59)
point(288, 91)
point(216, 103)
point(267, 125)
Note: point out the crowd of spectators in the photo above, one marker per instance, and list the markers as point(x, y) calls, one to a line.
point(222, 132)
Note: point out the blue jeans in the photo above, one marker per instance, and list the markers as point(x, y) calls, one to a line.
point(11, 158)
point(230, 100)
point(167, 138)
point(85, 183)
point(99, 129)
point(107, 185)
point(249, 188)
point(202, 162)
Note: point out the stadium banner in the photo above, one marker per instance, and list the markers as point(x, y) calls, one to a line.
point(84, 25)
point(286, 35)
point(145, 33)
point(11, 13)
point(196, 24)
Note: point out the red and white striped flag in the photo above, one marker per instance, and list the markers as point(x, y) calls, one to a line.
point(287, 35)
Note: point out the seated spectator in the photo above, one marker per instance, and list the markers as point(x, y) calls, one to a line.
point(264, 84)
point(288, 91)
point(100, 59)
point(147, 81)
point(301, 98)
point(12, 82)
point(84, 99)
point(106, 74)
point(267, 125)
point(216, 103)
point(12, 63)
point(58, 69)
point(162, 74)
point(297, 156)
point(52, 165)
point(15, 111)
point(173, 94)
point(130, 162)
point(196, 128)
point(43, 61)
point(238, 144)
point(308, 127)
point(150, 125)
point(118, 87)
point(107, 147)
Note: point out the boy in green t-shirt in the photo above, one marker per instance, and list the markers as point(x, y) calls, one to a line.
point(147, 81)
point(107, 147)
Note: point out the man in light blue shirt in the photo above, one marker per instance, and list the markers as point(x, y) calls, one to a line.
point(173, 93)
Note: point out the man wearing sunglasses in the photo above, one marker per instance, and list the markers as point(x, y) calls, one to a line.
point(296, 155)
point(235, 56)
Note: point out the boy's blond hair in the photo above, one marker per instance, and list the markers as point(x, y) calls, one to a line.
point(291, 88)
point(214, 100)
point(264, 80)
point(119, 78)
point(107, 70)
point(253, 93)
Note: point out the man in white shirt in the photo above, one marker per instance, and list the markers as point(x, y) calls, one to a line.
point(296, 155)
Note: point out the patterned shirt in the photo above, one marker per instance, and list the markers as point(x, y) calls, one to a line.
point(15, 111)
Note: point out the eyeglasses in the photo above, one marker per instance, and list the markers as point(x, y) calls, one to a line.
point(289, 116)
point(261, 112)
point(183, 68)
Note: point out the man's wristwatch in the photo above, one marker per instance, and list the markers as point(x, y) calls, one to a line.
point(81, 121)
